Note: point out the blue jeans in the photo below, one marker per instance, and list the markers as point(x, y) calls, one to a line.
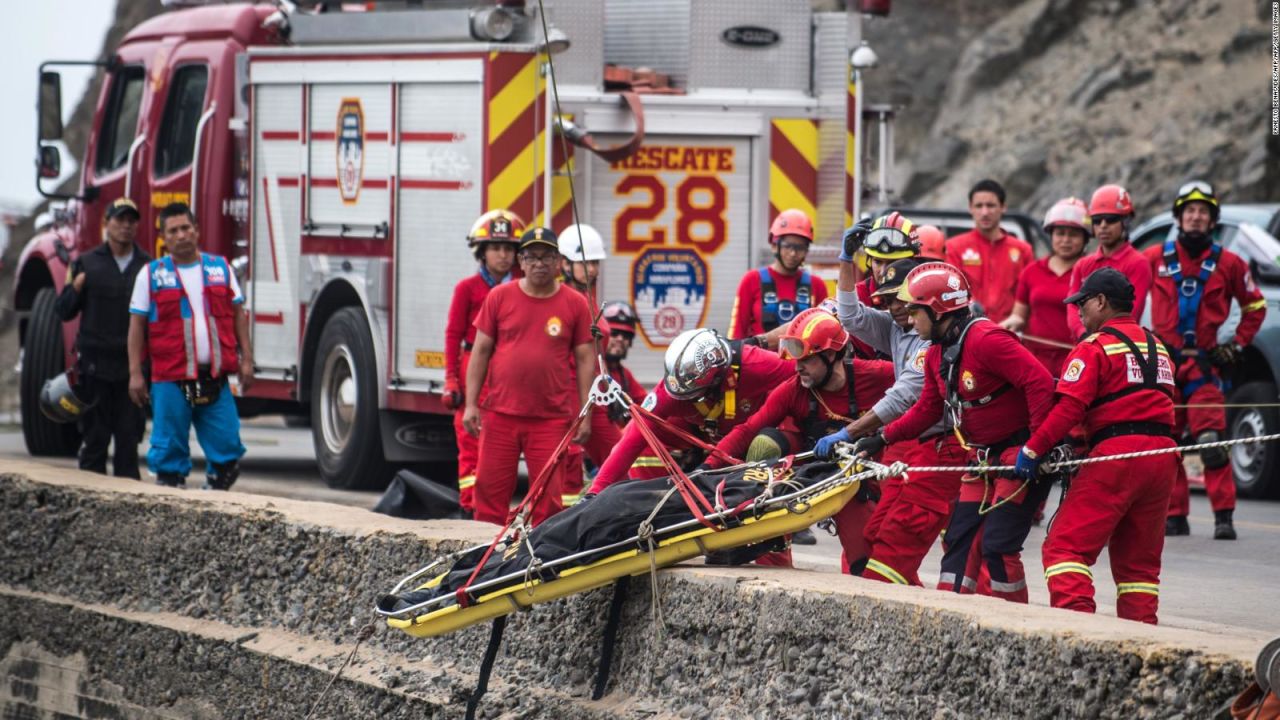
point(217, 430)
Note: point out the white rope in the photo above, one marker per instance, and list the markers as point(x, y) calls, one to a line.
point(898, 468)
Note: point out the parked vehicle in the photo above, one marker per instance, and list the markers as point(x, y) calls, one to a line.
point(1254, 383)
point(953, 222)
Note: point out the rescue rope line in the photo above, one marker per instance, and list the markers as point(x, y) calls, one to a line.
point(365, 633)
point(899, 468)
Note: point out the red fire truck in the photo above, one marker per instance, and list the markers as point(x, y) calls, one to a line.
point(339, 157)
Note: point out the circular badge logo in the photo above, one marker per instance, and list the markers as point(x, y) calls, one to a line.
point(554, 326)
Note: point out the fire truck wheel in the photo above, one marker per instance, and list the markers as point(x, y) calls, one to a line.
point(344, 407)
point(42, 358)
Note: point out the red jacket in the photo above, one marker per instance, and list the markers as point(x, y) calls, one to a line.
point(459, 329)
point(761, 371)
point(1128, 261)
point(170, 334)
point(991, 267)
point(1230, 281)
point(992, 359)
point(1100, 366)
point(871, 378)
point(746, 319)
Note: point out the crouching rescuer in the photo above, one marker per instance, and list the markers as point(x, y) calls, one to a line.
point(1120, 382)
point(188, 319)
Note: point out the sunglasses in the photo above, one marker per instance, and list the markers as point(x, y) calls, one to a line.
point(1107, 219)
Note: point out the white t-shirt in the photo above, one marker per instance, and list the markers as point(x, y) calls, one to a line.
point(193, 283)
point(123, 262)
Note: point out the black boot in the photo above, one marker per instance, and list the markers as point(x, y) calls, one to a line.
point(170, 480)
point(1176, 525)
point(223, 476)
point(804, 537)
point(1222, 527)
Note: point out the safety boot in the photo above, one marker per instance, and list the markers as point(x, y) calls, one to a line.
point(223, 476)
point(1176, 525)
point(804, 537)
point(1223, 529)
point(171, 480)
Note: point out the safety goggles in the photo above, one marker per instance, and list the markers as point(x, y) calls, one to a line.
point(1195, 186)
point(800, 247)
point(792, 348)
point(884, 241)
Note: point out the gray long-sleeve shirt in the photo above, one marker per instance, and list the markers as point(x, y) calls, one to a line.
point(877, 329)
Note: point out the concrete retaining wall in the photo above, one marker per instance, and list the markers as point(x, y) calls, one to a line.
point(134, 601)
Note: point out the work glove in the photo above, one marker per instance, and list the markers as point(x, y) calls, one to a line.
point(853, 238)
point(870, 446)
point(618, 413)
point(1027, 463)
point(1225, 355)
point(826, 446)
point(452, 396)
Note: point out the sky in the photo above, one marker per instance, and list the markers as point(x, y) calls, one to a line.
point(42, 30)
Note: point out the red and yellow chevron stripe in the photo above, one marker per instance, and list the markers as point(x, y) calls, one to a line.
point(515, 149)
point(793, 167)
point(850, 162)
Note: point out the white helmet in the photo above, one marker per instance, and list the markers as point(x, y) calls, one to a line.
point(581, 242)
point(695, 363)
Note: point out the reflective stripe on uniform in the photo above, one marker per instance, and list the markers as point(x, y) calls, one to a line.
point(886, 572)
point(189, 343)
point(1006, 587)
point(466, 481)
point(949, 578)
point(569, 500)
point(1256, 305)
point(647, 461)
point(1067, 567)
point(1121, 348)
point(1138, 587)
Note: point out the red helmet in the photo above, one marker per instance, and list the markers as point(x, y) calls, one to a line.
point(1110, 200)
point(791, 222)
point(1070, 213)
point(619, 316)
point(938, 286)
point(933, 243)
point(496, 226)
point(813, 331)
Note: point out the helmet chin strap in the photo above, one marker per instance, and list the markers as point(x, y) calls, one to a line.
point(952, 333)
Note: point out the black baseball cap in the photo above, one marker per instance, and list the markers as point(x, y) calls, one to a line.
point(539, 236)
point(1105, 281)
point(895, 274)
point(122, 206)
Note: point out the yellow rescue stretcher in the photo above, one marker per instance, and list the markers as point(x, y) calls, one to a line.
point(777, 516)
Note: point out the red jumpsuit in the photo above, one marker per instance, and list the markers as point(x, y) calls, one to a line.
point(530, 402)
point(1128, 261)
point(748, 307)
point(760, 372)
point(1198, 381)
point(1005, 391)
point(1126, 406)
point(794, 401)
point(459, 336)
point(991, 267)
point(1043, 290)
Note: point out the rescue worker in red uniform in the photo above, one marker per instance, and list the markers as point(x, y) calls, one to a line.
point(770, 296)
point(830, 389)
point(527, 333)
point(1119, 382)
point(581, 252)
point(492, 240)
point(711, 386)
point(1042, 286)
point(1111, 212)
point(989, 257)
point(620, 319)
point(1195, 282)
point(994, 390)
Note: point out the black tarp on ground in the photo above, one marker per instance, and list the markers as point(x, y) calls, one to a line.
point(613, 516)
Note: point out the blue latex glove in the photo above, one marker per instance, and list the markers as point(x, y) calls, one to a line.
point(827, 445)
point(853, 238)
point(1026, 465)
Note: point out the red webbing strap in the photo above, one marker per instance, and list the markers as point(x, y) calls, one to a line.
point(685, 435)
point(692, 496)
point(536, 489)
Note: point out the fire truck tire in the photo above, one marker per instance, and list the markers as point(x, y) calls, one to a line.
point(1256, 466)
point(42, 358)
point(344, 407)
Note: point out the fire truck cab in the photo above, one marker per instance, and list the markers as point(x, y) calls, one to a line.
point(338, 159)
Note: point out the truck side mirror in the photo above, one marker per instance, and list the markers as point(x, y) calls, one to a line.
point(50, 162)
point(50, 109)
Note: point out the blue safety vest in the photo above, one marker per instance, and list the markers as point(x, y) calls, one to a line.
point(773, 311)
point(1190, 291)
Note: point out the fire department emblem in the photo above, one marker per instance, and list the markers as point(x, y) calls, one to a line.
point(970, 257)
point(953, 282)
point(1014, 254)
point(669, 292)
point(350, 151)
point(650, 401)
point(554, 326)
point(917, 363)
point(1072, 373)
point(966, 379)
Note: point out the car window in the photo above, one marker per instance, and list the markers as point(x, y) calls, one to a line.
point(1152, 236)
point(120, 121)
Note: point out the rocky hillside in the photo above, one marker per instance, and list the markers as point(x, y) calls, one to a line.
point(1054, 97)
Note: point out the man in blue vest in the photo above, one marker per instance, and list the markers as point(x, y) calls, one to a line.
point(774, 295)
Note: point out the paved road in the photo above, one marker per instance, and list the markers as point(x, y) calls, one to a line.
point(1205, 583)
